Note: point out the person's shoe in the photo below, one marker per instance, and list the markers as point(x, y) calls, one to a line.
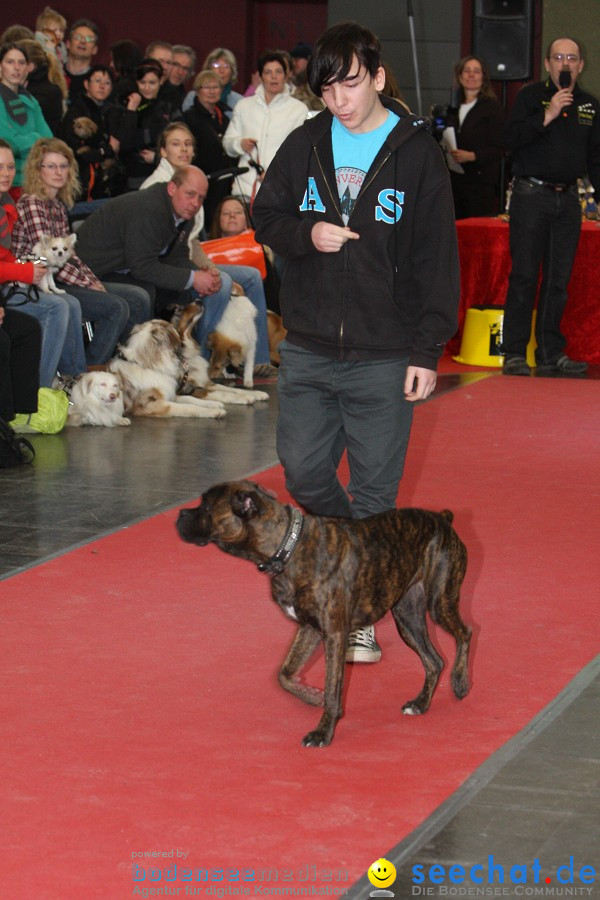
point(264, 370)
point(362, 646)
point(570, 366)
point(516, 365)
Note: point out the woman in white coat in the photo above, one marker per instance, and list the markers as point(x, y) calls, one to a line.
point(261, 123)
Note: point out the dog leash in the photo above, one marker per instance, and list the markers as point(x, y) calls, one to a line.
point(277, 563)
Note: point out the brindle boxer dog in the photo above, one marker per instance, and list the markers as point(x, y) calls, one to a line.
point(333, 576)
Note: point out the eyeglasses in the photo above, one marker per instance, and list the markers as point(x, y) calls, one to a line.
point(210, 87)
point(565, 57)
point(56, 167)
point(220, 66)
point(101, 81)
point(177, 65)
point(87, 38)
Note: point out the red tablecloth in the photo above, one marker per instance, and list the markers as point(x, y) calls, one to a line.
point(485, 267)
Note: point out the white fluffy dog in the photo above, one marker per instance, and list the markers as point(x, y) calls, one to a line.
point(198, 376)
point(151, 372)
point(56, 251)
point(234, 341)
point(96, 399)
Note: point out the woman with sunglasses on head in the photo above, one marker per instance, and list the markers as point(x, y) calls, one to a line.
point(50, 186)
point(21, 118)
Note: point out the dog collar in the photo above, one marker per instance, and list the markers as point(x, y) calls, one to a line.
point(277, 563)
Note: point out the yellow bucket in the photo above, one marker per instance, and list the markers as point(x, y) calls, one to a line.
point(482, 338)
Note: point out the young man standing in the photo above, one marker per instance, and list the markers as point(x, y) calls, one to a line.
point(358, 202)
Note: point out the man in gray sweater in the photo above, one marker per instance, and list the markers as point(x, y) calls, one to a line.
point(142, 238)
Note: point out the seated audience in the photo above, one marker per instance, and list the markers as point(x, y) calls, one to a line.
point(49, 188)
point(207, 121)
point(21, 118)
point(141, 122)
point(231, 219)
point(20, 347)
point(87, 128)
point(261, 123)
point(46, 82)
point(58, 314)
point(82, 46)
point(479, 125)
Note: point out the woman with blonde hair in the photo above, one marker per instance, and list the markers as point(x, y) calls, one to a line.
point(224, 64)
point(50, 188)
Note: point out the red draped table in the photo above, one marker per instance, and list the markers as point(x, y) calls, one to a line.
point(484, 270)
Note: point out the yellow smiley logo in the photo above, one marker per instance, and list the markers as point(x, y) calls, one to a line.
point(381, 873)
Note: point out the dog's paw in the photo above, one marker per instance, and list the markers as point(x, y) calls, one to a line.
point(317, 738)
point(259, 396)
point(123, 421)
point(412, 708)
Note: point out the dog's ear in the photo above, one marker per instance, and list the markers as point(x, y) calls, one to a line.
point(246, 504)
point(210, 341)
point(71, 240)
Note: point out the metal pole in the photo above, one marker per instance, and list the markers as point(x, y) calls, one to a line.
point(413, 42)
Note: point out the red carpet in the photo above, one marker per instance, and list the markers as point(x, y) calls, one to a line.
point(140, 705)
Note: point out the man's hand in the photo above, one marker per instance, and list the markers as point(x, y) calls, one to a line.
point(330, 238)
point(419, 383)
point(206, 281)
point(559, 102)
point(98, 286)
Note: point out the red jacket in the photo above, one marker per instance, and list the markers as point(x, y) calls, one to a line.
point(10, 269)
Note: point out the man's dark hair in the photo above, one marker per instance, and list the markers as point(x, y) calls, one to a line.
point(85, 23)
point(333, 55)
point(100, 67)
point(271, 56)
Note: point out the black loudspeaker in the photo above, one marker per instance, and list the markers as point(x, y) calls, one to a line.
point(502, 32)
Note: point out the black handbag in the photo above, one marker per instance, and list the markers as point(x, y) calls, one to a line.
point(14, 449)
point(29, 292)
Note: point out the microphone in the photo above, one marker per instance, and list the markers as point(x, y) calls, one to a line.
point(564, 81)
point(455, 96)
point(228, 173)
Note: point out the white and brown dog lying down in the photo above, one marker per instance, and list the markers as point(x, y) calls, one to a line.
point(163, 374)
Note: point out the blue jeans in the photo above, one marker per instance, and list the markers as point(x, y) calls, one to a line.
point(62, 336)
point(109, 314)
point(252, 283)
point(544, 231)
point(214, 307)
point(327, 406)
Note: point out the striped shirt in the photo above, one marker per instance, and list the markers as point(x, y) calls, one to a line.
point(38, 217)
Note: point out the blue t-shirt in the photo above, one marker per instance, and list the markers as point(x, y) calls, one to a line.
point(353, 155)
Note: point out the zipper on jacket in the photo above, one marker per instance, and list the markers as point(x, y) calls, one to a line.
point(368, 183)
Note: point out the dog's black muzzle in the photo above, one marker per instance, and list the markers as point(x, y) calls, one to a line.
point(192, 528)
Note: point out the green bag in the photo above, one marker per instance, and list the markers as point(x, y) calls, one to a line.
point(51, 415)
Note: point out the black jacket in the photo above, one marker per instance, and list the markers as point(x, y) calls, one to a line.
point(482, 132)
point(392, 293)
point(98, 168)
point(563, 151)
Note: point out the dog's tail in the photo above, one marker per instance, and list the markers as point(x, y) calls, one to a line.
point(448, 515)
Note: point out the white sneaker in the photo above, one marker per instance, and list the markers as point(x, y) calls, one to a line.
point(362, 646)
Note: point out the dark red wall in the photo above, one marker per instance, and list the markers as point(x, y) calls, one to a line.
point(244, 26)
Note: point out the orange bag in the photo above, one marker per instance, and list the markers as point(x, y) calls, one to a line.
point(239, 250)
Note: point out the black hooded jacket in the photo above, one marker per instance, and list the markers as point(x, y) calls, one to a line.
point(392, 293)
